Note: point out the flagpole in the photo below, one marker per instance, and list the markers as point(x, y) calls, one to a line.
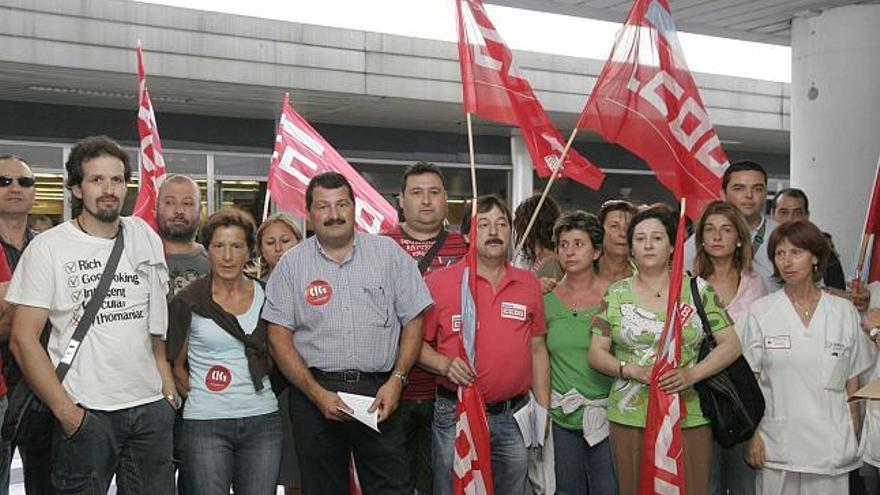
point(866, 238)
point(470, 130)
point(266, 203)
point(556, 170)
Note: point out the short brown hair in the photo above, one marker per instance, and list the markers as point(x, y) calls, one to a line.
point(230, 217)
point(616, 205)
point(804, 234)
point(742, 256)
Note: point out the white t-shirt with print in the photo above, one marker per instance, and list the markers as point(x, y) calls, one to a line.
point(115, 367)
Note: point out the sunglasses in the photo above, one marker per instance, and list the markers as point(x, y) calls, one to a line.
point(26, 182)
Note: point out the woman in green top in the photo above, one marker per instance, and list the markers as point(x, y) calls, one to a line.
point(630, 322)
point(579, 393)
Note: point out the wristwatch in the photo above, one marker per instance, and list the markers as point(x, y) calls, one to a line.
point(400, 376)
point(620, 370)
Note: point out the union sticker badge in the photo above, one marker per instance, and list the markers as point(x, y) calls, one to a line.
point(318, 292)
point(217, 378)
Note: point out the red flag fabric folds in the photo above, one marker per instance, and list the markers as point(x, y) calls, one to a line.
point(152, 171)
point(494, 88)
point(646, 101)
point(662, 466)
point(300, 154)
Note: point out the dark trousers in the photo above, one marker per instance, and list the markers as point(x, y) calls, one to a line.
point(323, 447)
point(134, 444)
point(417, 417)
point(36, 456)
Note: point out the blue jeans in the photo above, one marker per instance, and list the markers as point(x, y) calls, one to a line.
point(581, 469)
point(244, 453)
point(510, 459)
point(133, 443)
point(730, 474)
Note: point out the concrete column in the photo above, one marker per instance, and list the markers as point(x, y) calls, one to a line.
point(521, 181)
point(835, 124)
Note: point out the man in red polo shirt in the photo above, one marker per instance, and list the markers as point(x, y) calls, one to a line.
point(510, 351)
point(422, 235)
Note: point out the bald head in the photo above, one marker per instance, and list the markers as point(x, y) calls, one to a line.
point(16, 199)
point(178, 209)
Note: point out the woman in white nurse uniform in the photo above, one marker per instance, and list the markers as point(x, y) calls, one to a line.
point(807, 348)
point(871, 430)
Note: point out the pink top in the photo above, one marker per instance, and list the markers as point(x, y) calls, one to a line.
point(751, 286)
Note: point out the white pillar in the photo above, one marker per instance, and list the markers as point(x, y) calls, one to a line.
point(521, 187)
point(835, 124)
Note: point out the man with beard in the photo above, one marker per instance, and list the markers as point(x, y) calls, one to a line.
point(510, 350)
point(17, 194)
point(115, 408)
point(345, 313)
point(178, 211)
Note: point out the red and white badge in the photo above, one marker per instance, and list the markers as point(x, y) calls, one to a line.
point(685, 311)
point(513, 311)
point(318, 292)
point(217, 378)
point(456, 323)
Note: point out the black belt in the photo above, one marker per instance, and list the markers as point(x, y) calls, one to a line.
point(492, 407)
point(350, 376)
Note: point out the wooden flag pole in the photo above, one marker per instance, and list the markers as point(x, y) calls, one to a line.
point(470, 129)
point(544, 194)
point(266, 203)
point(866, 237)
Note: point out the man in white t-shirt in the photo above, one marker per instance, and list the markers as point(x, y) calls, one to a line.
point(116, 406)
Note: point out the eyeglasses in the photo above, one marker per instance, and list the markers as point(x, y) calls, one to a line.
point(26, 182)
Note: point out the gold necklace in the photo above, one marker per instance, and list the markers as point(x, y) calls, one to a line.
point(657, 292)
point(804, 307)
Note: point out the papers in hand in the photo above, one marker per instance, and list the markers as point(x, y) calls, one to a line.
point(359, 405)
point(532, 421)
point(871, 391)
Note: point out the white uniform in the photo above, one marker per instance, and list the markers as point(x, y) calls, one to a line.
point(871, 429)
point(807, 428)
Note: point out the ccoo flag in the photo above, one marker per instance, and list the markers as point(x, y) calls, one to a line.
point(662, 466)
point(494, 88)
point(646, 101)
point(152, 171)
point(472, 465)
point(300, 154)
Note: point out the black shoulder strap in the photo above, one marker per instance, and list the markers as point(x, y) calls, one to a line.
point(704, 319)
point(426, 260)
point(88, 316)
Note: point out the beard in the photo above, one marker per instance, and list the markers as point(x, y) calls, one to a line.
point(106, 215)
point(171, 232)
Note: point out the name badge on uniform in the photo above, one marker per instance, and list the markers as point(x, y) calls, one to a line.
point(513, 311)
point(777, 342)
point(456, 323)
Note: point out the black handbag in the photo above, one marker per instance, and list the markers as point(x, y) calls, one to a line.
point(731, 399)
point(27, 418)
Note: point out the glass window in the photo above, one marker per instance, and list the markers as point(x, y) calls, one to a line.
point(49, 196)
point(247, 195)
point(45, 157)
point(641, 189)
point(241, 166)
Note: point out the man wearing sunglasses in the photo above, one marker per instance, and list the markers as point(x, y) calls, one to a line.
point(17, 193)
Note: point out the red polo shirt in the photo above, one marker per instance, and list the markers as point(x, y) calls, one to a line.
point(508, 319)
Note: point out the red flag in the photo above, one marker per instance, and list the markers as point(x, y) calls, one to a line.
point(354, 483)
point(646, 101)
point(300, 154)
point(872, 227)
point(662, 468)
point(152, 160)
point(494, 88)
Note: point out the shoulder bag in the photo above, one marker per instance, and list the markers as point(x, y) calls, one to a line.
point(731, 399)
point(26, 414)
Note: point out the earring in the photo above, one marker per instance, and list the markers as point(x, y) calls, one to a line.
point(739, 244)
point(815, 268)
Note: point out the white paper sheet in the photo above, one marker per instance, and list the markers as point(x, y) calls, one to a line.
point(532, 421)
point(359, 405)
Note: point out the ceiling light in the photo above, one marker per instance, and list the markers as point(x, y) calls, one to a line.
point(99, 93)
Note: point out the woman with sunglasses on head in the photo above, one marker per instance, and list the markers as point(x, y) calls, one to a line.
point(807, 349)
point(724, 259)
point(626, 332)
point(277, 235)
point(579, 394)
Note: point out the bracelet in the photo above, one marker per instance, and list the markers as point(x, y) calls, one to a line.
point(620, 370)
point(874, 332)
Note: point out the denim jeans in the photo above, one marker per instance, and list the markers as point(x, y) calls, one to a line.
point(417, 418)
point(580, 468)
point(730, 474)
point(242, 453)
point(510, 459)
point(134, 444)
point(36, 456)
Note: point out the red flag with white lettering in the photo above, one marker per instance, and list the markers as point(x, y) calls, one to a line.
point(662, 467)
point(152, 171)
point(300, 154)
point(494, 88)
point(646, 101)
